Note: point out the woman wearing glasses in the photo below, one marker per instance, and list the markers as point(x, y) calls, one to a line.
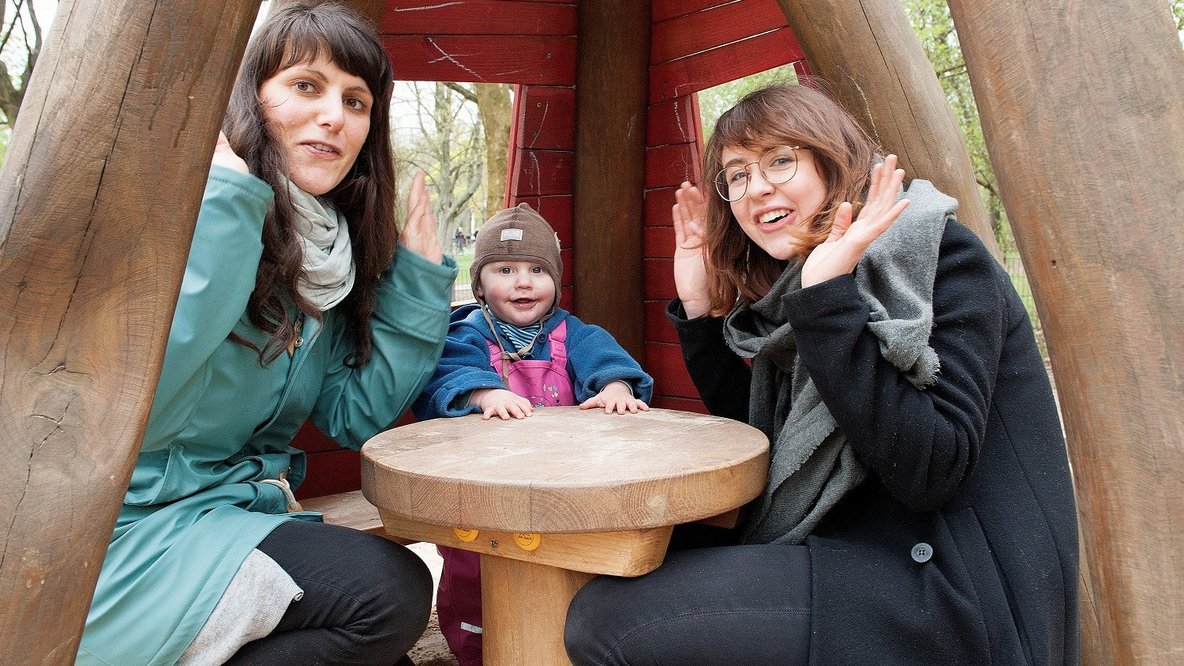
point(919, 506)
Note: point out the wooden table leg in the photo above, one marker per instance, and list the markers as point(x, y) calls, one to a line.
point(524, 608)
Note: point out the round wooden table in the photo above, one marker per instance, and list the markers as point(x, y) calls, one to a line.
point(551, 500)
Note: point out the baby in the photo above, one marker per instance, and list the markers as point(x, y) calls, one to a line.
point(513, 351)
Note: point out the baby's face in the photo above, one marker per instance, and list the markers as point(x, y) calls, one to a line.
point(518, 292)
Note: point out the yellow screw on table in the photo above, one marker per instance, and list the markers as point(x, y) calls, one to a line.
point(551, 500)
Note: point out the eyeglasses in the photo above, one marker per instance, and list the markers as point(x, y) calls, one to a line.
point(778, 165)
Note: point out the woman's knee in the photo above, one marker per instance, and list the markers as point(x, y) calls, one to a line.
point(398, 598)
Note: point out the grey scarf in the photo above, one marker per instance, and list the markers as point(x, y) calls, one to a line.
point(328, 255)
point(811, 465)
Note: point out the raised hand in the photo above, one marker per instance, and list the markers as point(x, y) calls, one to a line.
point(690, 271)
point(848, 240)
point(225, 156)
point(419, 232)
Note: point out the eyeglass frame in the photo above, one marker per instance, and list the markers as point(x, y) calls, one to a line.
point(748, 179)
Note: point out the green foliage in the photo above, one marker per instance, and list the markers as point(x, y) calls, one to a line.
point(714, 101)
point(935, 30)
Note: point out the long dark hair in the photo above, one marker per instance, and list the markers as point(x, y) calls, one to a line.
point(780, 115)
point(293, 34)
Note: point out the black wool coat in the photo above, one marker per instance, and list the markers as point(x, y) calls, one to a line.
point(961, 545)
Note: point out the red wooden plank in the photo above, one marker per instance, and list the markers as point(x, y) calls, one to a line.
point(477, 17)
point(483, 59)
point(518, 94)
point(556, 210)
point(695, 33)
point(542, 172)
point(546, 118)
point(670, 165)
point(657, 327)
point(727, 63)
point(664, 362)
point(331, 472)
point(566, 256)
point(664, 10)
point(658, 203)
point(673, 121)
point(658, 242)
point(680, 404)
point(311, 440)
point(659, 278)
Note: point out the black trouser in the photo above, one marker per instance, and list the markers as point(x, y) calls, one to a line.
point(730, 605)
point(366, 600)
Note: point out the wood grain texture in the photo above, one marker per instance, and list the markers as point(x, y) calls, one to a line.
point(882, 77)
point(565, 470)
point(99, 195)
point(478, 17)
point(1083, 114)
point(695, 33)
point(529, 59)
point(524, 608)
point(617, 553)
point(350, 509)
point(729, 62)
point(607, 191)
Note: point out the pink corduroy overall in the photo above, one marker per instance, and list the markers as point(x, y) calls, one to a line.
point(458, 599)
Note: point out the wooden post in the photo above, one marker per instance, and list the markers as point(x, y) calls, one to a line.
point(1083, 113)
point(612, 73)
point(371, 9)
point(98, 198)
point(868, 53)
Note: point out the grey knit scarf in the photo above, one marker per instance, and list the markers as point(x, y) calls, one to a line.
point(328, 256)
point(811, 465)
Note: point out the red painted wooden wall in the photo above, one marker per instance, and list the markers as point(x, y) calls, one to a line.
point(695, 44)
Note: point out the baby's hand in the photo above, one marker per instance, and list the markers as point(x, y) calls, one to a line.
point(503, 403)
point(616, 397)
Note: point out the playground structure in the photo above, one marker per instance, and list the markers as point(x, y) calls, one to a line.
point(1083, 113)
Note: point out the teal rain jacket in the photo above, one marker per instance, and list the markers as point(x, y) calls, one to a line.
point(221, 423)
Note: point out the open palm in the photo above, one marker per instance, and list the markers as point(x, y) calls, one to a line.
point(690, 269)
point(844, 247)
point(419, 233)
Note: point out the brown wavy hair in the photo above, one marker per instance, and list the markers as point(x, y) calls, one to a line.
point(293, 34)
point(780, 115)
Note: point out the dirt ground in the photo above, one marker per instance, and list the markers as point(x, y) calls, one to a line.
point(431, 650)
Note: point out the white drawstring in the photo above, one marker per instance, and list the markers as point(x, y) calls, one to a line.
point(283, 485)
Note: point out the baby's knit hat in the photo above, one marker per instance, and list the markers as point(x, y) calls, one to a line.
point(517, 234)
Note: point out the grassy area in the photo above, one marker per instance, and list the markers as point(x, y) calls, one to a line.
point(1015, 269)
point(460, 288)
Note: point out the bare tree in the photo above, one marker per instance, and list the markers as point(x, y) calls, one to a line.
point(495, 107)
point(444, 142)
point(21, 31)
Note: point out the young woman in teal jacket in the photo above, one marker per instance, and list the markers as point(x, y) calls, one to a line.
point(301, 299)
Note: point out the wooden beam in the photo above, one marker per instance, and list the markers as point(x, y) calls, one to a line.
point(1083, 113)
point(880, 74)
point(371, 9)
point(611, 78)
point(98, 198)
